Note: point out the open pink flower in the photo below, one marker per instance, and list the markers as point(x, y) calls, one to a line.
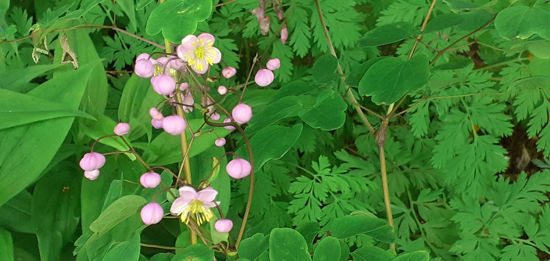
point(195, 205)
point(199, 52)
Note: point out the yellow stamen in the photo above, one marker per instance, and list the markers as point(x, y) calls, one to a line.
point(197, 210)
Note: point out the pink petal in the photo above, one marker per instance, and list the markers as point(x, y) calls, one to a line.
point(215, 54)
point(188, 192)
point(183, 51)
point(179, 205)
point(207, 195)
point(189, 40)
point(204, 67)
point(207, 37)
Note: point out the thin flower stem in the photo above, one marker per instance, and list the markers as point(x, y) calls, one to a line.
point(223, 3)
point(133, 151)
point(100, 138)
point(160, 247)
point(248, 77)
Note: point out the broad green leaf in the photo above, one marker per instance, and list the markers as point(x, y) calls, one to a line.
point(104, 126)
point(19, 109)
point(178, 18)
point(392, 77)
point(117, 212)
point(252, 247)
point(6, 245)
point(420, 255)
point(127, 250)
point(324, 69)
point(275, 111)
point(540, 49)
point(328, 112)
point(161, 257)
point(287, 244)
point(19, 79)
point(196, 252)
point(56, 210)
point(523, 22)
point(371, 253)
point(265, 147)
point(387, 34)
point(309, 230)
point(16, 213)
point(28, 149)
point(4, 6)
point(128, 7)
point(328, 249)
point(348, 226)
point(444, 21)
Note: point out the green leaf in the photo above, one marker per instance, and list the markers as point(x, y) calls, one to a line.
point(328, 112)
point(128, 7)
point(17, 212)
point(19, 109)
point(6, 245)
point(127, 250)
point(195, 253)
point(324, 69)
point(444, 21)
point(19, 79)
point(420, 255)
point(387, 34)
point(287, 244)
point(348, 226)
point(117, 212)
point(56, 210)
point(253, 246)
point(392, 77)
point(371, 253)
point(523, 22)
point(178, 18)
point(20, 153)
point(328, 249)
point(104, 126)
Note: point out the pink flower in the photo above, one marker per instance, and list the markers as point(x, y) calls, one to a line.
point(238, 168)
point(228, 120)
point(155, 114)
point(92, 161)
point(151, 213)
point(150, 180)
point(91, 174)
point(284, 34)
point(196, 205)
point(264, 77)
point(199, 52)
point(273, 64)
point(121, 128)
point(163, 84)
point(223, 225)
point(174, 125)
point(220, 142)
point(144, 68)
point(229, 72)
point(222, 90)
point(188, 101)
point(157, 124)
point(242, 113)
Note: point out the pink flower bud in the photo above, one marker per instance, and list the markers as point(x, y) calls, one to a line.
point(238, 168)
point(264, 25)
point(223, 225)
point(144, 68)
point(92, 161)
point(155, 113)
point(91, 174)
point(121, 128)
point(151, 213)
point(228, 120)
point(220, 142)
point(273, 64)
point(150, 180)
point(174, 125)
point(184, 86)
point(163, 84)
point(229, 72)
point(264, 77)
point(157, 124)
point(222, 90)
point(242, 113)
point(280, 15)
point(188, 101)
point(143, 56)
point(176, 64)
point(215, 116)
point(284, 34)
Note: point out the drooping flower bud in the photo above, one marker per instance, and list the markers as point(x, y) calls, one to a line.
point(144, 68)
point(151, 213)
point(91, 174)
point(264, 24)
point(174, 125)
point(155, 113)
point(264, 77)
point(143, 56)
point(223, 225)
point(229, 72)
point(273, 64)
point(157, 124)
point(215, 116)
point(92, 161)
point(220, 142)
point(121, 128)
point(242, 113)
point(184, 86)
point(188, 102)
point(284, 34)
point(150, 179)
point(222, 90)
point(228, 120)
point(238, 168)
point(163, 84)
